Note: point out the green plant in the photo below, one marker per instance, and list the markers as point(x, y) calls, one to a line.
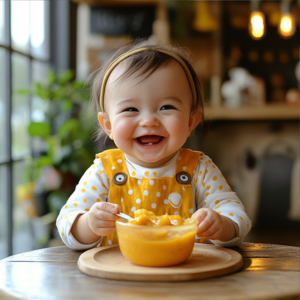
point(66, 132)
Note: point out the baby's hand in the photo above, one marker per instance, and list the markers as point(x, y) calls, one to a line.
point(102, 218)
point(210, 224)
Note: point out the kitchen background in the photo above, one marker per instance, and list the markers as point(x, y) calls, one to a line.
point(245, 53)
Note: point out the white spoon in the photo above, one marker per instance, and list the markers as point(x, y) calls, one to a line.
point(124, 216)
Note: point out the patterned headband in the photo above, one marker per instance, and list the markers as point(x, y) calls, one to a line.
point(125, 55)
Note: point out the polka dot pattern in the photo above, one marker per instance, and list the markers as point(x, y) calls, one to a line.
point(154, 194)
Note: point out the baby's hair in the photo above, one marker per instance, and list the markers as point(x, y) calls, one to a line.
point(143, 64)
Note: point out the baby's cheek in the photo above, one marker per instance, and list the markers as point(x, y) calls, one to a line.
point(122, 129)
point(178, 128)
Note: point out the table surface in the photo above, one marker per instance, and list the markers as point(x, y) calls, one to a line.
point(269, 272)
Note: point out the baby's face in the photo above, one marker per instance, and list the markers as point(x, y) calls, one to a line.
point(149, 120)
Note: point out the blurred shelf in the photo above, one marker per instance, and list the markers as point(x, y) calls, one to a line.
point(266, 112)
point(117, 2)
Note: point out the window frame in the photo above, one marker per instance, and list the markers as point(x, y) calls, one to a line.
point(61, 45)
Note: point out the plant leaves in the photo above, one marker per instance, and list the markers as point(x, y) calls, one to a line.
point(41, 91)
point(75, 167)
point(51, 77)
point(24, 91)
point(68, 126)
point(67, 105)
point(63, 154)
point(65, 76)
point(44, 161)
point(56, 200)
point(40, 129)
point(77, 85)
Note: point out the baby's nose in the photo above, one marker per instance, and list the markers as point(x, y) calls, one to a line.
point(149, 121)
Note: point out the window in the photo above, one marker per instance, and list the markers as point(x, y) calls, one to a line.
point(24, 57)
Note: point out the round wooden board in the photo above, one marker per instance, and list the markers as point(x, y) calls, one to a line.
point(205, 261)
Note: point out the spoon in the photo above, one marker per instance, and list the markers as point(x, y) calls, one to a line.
point(124, 216)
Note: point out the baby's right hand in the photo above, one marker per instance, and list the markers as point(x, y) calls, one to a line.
point(102, 218)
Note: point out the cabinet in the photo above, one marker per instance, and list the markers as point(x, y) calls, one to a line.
point(211, 52)
point(252, 113)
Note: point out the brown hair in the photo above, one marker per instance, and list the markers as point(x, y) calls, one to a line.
point(142, 64)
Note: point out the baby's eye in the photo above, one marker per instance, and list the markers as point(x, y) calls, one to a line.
point(165, 107)
point(131, 109)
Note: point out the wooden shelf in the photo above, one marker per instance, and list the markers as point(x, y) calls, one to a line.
point(266, 112)
point(117, 2)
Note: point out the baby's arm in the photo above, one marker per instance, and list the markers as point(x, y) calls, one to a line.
point(72, 222)
point(221, 214)
point(99, 221)
point(214, 226)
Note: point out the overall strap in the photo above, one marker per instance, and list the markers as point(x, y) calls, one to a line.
point(187, 161)
point(113, 161)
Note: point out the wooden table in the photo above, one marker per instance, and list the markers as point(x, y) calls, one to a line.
point(269, 272)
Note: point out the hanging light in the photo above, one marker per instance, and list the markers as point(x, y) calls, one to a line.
point(287, 22)
point(204, 21)
point(257, 21)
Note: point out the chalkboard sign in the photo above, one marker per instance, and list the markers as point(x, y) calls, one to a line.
point(135, 21)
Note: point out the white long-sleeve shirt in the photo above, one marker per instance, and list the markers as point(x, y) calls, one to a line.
point(210, 190)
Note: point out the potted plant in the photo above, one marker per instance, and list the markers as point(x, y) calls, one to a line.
point(66, 134)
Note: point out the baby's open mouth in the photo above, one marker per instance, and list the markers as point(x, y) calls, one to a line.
point(149, 139)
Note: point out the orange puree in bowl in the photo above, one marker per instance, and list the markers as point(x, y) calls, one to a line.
point(148, 218)
point(156, 241)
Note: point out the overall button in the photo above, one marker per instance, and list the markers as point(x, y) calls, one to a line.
point(120, 178)
point(183, 178)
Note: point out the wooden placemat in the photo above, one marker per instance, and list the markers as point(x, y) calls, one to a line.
point(205, 261)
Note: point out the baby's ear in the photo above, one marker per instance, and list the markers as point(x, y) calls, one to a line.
point(105, 123)
point(195, 119)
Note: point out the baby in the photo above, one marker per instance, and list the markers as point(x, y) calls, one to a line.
point(148, 101)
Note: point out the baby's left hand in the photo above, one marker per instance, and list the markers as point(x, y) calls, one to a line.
point(210, 224)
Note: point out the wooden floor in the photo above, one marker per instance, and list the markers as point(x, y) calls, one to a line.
point(289, 237)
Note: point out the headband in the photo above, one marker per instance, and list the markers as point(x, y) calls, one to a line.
point(126, 54)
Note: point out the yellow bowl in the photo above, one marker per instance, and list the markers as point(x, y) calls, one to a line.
point(159, 246)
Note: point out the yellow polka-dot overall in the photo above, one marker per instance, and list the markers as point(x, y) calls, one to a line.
point(166, 195)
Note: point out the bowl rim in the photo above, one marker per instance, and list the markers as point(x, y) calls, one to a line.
point(152, 227)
